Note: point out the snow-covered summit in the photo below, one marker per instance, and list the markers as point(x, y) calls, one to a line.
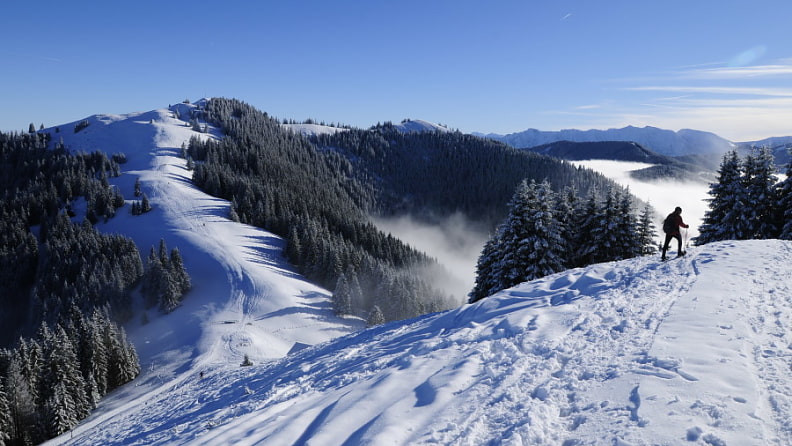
point(310, 129)
point(417, 125)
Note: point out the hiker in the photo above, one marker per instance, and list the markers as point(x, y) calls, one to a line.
point(671, 227)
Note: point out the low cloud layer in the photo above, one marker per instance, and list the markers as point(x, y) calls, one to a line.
point(455, 242)
point(663, 195)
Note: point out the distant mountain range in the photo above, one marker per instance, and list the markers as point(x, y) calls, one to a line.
point(693, 146)
point(689, 167)
point(664, 142)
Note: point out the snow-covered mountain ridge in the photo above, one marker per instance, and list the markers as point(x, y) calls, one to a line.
point(692, 351)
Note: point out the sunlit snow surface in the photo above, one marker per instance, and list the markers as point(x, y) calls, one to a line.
point(696, 350)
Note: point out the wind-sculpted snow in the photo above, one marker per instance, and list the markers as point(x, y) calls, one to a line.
point(695, 350)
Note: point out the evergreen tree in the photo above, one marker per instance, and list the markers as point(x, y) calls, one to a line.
point(22, 405)
point(488, 269)
point(626, 228)
point(605, 234)
point(375, 317)
point(531, 246)
point(122, 359)
point(152, 284)
point(232, 213)
point(342, 297)
point(785, 204)
point(759, 185)
point(99, 366)
point(59, 371)
point(60, 411)
point(588, 220)
point(5, 416)
point(724, 220)
point(565, 211)
point(138, 191)
point(145, 205)
point(179, 273)
point(169, 295)
point(646, 234)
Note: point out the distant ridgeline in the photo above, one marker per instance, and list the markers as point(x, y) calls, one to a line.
point(319, 191)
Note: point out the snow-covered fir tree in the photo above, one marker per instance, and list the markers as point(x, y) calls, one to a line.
point(375, 317)
point(759, 183)
point(531, 245)
point(745, 202)
point(785, 204)
point(165, 280)
point(546, 232)
point(5, 416)
point(625, 228)
point(342, 296)
point(587, 221)
point(646, 233)
point(564, 211)
point(726, 202)
point(488, 268)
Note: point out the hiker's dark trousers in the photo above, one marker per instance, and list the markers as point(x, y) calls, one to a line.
point(677, 236)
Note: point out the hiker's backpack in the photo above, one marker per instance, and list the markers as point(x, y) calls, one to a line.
point(669, 224)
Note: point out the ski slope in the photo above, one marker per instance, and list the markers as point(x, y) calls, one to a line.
point(696, 350)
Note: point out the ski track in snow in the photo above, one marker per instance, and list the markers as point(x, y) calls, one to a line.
point(695, 350)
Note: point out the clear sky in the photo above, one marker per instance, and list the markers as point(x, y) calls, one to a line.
point(489, 66)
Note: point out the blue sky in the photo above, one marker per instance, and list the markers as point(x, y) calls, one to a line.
point(497, 66)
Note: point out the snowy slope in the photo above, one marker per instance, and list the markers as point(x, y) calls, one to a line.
point(245, 300)
point(692, 351)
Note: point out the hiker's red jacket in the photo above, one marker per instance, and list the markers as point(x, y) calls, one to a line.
point(677, 223)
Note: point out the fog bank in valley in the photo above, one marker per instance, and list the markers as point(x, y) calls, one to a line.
point(455, 242)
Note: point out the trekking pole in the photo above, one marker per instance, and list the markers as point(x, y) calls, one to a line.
point(687, 240)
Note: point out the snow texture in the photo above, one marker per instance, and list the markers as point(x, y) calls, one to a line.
point(696, 350)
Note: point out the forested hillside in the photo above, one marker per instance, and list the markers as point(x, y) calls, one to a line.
point(319, 192)
point(60, 284)
point(430, 174)
point(277, 180)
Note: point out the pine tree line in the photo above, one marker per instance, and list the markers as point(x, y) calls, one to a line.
point(67, 279)
point(51, 382)
point(747, 201)
point(430, 174)
point(43, 270)
point(546, 232)
point(279, 181)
